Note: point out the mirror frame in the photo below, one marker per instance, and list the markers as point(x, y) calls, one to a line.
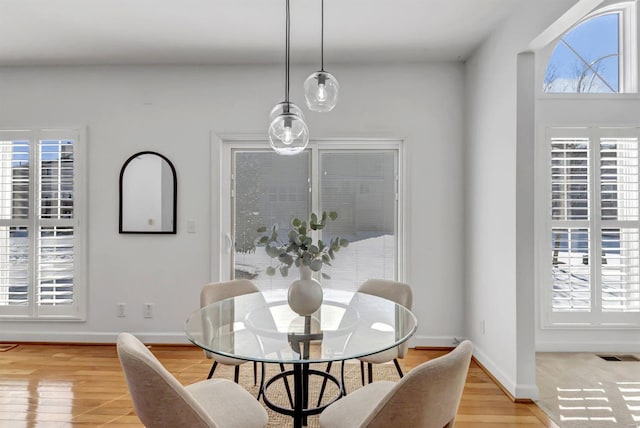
point(175, 195)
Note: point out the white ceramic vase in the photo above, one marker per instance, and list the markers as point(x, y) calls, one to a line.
point(305, 294)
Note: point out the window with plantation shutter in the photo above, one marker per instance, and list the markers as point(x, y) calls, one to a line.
point(594, 226)
point(40, 245)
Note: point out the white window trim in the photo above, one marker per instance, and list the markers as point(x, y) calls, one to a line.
point(221, 240)
point(629, 53)
point(78, 310)
point(570, 320)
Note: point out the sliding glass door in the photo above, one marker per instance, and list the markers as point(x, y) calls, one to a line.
point(358, 181)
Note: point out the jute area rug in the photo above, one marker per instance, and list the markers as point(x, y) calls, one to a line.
point(581, 390)
point(277, 393)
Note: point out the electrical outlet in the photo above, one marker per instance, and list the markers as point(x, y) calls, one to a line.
point(122, 310)
point(148, 310)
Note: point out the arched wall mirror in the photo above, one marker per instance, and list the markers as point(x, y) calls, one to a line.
point(148, 188)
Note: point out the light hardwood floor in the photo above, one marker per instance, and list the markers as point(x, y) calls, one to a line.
point(50, 385)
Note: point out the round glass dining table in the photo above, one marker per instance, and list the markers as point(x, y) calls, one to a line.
point(262, 327)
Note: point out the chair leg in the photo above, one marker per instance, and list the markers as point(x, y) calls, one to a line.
point(362, 372)
point(261, 381)
point(324, 384)
point(236, 374)
point(395, 361)
point(213, 369)
point(255, 373)
point(370, 367)
point(344, 387)
point(286, 386)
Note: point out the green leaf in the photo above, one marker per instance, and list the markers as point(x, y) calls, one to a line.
point(302, 230)
point(314, 219)
point(332, 254)
point(272, 251)
point(298, 262)
point(344, 243)
point(313, 249)
point(321, 245)
point(306, 241)
point(286, 259)
point(325, 276)
point(295, 222)
point(315, 265)
point(261, 229)
point(326, 259)
point(284, 271)
point(264, 240)
point(324, 217)
point(294, 238)
point(333, 215)
point(271, 270)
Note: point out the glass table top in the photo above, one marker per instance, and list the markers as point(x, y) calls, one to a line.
point(262, 327)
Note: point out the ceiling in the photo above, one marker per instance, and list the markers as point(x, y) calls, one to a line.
point(58, 32)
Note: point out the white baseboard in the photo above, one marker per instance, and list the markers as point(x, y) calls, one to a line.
point(91, 337)
point(517, 391)
point(587, 347)
point(530, 392)
point(434, 341)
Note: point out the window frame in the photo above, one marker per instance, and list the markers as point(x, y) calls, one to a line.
point(596, 318)
point(222, 242)
point(32, 311)
point(628, 66)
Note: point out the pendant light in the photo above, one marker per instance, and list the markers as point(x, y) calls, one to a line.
point(288, 134)
point(321, 88)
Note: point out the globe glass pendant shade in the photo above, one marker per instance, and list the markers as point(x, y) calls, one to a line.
point(321, 91)
point(288, 134)
point(286, 107)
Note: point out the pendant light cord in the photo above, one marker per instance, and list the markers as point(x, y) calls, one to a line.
point(322, 36)
point(286, 74)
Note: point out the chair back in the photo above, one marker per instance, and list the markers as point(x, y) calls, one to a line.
point(428, 396)
point(217, 291)
point(158, 398)
point(395, 291)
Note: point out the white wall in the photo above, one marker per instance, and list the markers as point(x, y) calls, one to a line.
point(174, 110)
point(495, 273)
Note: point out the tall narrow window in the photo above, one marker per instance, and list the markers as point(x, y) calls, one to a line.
point(39, 232)
point(358, 182)
point(595, 226)
point(598, 55)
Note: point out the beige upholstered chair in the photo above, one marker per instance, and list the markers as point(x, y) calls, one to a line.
point(215, 292)
point(427, 397)
point(161, 401)
point(400, 293)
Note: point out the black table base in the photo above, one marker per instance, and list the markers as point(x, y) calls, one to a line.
point(301, 410)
